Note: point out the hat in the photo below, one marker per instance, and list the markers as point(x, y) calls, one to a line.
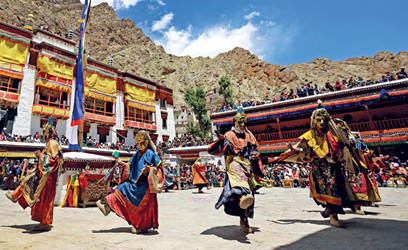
point(402, 67)
point(395, 164)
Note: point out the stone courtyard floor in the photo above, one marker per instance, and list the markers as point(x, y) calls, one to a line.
point(284, 219)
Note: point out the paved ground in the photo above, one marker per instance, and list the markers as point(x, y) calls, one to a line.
point(284, 219)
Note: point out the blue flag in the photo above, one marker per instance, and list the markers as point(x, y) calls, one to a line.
point(77, 111)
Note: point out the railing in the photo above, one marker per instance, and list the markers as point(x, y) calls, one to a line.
point(51, 104)
point(99, 112)
point(267, 136)
point(139, 119)
point(391, 123)
point(274, 136)
point(360, 126)
point(293, 134)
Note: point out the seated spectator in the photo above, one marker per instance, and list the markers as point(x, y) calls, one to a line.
point(383, 79)
point(402, 74)
point(329, 87)
point(338, 85)
point(318, 89)
point(310, 89)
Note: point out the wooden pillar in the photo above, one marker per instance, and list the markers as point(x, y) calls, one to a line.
point(280, 131)
point(372, 126)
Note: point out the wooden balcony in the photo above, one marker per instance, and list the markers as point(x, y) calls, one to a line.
point(100, 118)
point(46, 110)
point(379, 125)
point(359, 126)
point(274, 136)
point(9, 98)
point(140, 125)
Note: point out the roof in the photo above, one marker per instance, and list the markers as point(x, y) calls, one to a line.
point(81, 156)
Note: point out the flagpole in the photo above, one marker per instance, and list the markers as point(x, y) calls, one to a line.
point(81, 125)
point(77, 115)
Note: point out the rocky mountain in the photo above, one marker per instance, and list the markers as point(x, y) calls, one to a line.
point(134, 52)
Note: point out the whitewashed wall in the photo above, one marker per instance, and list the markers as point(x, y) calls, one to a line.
point(22, 121)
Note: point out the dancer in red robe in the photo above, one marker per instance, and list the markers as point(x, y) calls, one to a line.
point(135, 198)
point(38, 189)
point(199, 171)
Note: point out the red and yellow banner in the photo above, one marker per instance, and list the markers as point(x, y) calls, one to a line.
point(140, 95)
point(100, 83)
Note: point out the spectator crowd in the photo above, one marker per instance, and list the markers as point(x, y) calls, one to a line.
point(310, 89)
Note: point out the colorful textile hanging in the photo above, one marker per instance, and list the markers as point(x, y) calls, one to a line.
point(11, 70)
point(100, 83)
point(140, 95)
point(13, 54)
point(52, 82)
point(56, 64)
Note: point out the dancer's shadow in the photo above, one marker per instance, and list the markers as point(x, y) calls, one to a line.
point(124, 230)
point(347, 212)
point(360, 233)
point(293, 221)
point(27, 228)
point(230, 233)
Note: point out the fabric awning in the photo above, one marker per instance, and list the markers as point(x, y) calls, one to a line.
point(56, 64)
point(140, 95)
point(100, 83)
point(13, 54)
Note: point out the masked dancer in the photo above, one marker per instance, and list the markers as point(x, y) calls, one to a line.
point(242, 161)
point(135, 198)
point(38, 189)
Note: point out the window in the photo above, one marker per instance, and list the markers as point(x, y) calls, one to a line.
point(51, 97)
point(140, 115)
point(163, 103)
point(165, 123)
point(9, 84)
point(99, 107)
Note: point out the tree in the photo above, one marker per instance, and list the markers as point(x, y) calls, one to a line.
point(195, 98)
point(225, 89)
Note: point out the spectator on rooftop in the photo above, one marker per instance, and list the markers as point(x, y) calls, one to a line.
point(310, 90)
point(402, 74)
point(302, 91)
point(384, 78)
point(318, 89)
point(329, 87)
point(338, 85)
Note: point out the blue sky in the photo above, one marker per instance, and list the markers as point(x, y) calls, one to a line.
point(282, 32)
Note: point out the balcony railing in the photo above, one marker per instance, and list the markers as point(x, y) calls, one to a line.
point(359, 126)
point(274, 136)
point(391, 123)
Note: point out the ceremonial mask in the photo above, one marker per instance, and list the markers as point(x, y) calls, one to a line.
point(142, 140)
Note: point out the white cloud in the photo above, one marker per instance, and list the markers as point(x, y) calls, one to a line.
point(163, 23)
point(252, 15)
point(216, 40)
point(265, 39)
point(160, 2)
point(116, 4)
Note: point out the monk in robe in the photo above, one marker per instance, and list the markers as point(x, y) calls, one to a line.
point(242, 162)
point(135, 198)
point(37, 190)
point(199, 171)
